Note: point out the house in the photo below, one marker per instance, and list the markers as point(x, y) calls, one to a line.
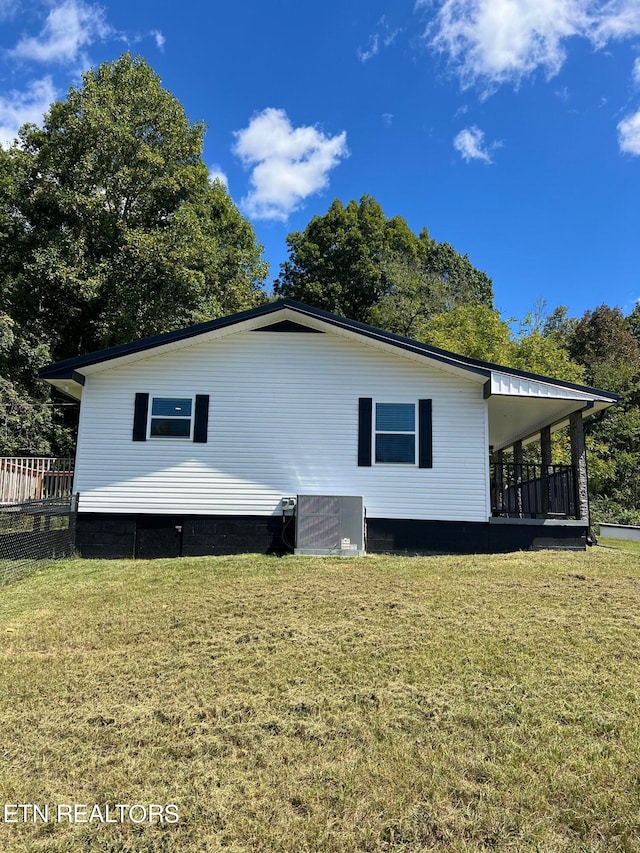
point(189, 441)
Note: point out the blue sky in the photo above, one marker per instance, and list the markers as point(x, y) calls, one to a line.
point(509, 128)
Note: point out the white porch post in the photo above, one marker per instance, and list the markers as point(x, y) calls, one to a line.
point(579, 462)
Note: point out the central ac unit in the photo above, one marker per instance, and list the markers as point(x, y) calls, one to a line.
point(330, 524)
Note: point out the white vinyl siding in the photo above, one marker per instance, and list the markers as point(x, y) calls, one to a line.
point(283, 420)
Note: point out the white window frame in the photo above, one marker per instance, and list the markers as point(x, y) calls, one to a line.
point(150, 417)
point(375, 432)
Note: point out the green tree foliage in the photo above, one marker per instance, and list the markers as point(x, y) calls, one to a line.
point(614, 463)
point(110, 230)
point(461, 281)
point(27, 424)
point(410, 297)
point(479, 331)
point(634, 321)
point(476, 331)
point(604, 343)
point(114, 230)
point(539, 347)
point(356, 262)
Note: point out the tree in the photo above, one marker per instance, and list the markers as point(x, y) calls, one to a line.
point(26, 415)
point(410, 297)
point(540, 346)
point(602, 340)
point(634, 321)
point(356, 262)
point(110, 228)
point(463, 283)
point(476, 331)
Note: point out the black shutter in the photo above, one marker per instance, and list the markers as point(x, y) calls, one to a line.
point(140, 412)
point(365, 408)
point(201, 423)
point(425, 452)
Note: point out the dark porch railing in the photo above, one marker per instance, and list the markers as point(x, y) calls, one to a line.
point(533, 491)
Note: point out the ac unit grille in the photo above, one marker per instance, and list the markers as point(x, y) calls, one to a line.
point(320, 530)
point(320, 504)
point(329, 524)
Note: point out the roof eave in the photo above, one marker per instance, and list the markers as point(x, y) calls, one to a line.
point(65, 370)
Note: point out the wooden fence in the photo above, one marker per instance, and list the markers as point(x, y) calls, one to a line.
point(34, 478)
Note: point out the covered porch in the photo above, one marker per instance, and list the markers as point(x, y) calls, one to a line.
point(523, 412)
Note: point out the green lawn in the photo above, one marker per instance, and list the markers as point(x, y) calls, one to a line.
point(301, 705)
point(627, 545)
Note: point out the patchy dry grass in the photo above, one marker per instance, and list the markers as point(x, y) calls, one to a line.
point(376, 704)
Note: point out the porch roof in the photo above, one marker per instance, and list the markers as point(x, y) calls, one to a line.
point(520, 406)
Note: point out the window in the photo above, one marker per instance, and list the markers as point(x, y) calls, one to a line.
point(392, 429)
point(170, 417)
point(395, 433)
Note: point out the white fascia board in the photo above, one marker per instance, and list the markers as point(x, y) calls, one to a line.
point(509, 385)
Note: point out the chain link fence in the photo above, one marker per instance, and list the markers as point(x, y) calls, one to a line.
point(33, 534)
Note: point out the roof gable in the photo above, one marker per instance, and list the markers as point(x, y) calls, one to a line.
point(288, 316)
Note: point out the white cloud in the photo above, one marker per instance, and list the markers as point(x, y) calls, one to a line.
point(20, 107)
point(500, 41)
point(159, 38)
point(8, 9)
point(391, 36)
point(636, 71)
point(384, 37)
point(617, 19)
point(470, 145)
point(288, 164)
point(629, 134)
point(372, 50)
point(216, 173)
point(68, 29)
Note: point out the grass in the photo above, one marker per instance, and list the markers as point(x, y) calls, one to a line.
point(629, 546)
point(375, 704)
